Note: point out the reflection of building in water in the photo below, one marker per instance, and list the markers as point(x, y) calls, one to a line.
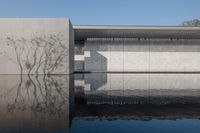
point(140, 50)
point(137, 96)
point(39, 103)
point(136, 111)
point(96, 86)
point(36, 103)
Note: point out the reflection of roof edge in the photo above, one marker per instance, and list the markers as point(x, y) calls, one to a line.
point(138, 112)
point(143, 118)
point(140, 99)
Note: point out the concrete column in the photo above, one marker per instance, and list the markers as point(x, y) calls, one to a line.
point(36, 46)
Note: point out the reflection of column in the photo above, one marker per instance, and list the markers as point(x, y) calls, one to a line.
point(35, 104)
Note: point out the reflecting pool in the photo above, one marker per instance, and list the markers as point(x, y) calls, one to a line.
point(100, 102)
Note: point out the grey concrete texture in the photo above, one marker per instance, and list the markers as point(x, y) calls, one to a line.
point(36, 46)
point(150, 55)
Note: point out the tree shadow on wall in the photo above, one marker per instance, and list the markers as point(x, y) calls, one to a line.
point(40, 54)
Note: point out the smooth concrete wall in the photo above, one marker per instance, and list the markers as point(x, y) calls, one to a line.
point(150, 55)
point(36, 46)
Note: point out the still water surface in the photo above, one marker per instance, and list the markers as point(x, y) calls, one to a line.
point(100, 103)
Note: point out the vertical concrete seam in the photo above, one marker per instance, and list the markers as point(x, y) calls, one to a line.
point(149, 65)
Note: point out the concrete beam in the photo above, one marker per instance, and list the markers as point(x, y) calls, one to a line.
point(131, 31)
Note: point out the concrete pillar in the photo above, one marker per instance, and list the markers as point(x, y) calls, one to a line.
point(36, 46)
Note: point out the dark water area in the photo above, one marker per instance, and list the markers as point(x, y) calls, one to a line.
point(100, 103)
point(130, 126)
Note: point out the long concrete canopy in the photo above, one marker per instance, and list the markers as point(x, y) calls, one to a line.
point(130, 31)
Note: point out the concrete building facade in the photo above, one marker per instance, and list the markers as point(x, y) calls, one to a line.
point(137, 49)
point(54, 46)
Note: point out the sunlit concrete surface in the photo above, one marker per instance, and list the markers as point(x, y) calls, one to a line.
point(36, 46)
point(144, 55)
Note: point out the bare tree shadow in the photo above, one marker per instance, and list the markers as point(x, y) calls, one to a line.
point(40, 54)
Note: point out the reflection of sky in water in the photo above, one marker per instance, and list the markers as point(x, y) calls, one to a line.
point(135, 126)
point(100, 102)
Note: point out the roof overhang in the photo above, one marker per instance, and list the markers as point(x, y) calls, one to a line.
point(83, 32)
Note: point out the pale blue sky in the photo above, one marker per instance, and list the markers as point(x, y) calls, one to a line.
point(138, 12)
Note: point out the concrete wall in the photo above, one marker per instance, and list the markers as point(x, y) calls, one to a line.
point(36, 46)
point(150, 55)
point(70, 51)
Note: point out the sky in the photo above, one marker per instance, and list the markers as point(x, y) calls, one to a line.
point(105, 12)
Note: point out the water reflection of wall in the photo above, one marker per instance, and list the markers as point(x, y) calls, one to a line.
point(38, 103)
point(149, 87)
point(137, 96)
point(35, 103)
